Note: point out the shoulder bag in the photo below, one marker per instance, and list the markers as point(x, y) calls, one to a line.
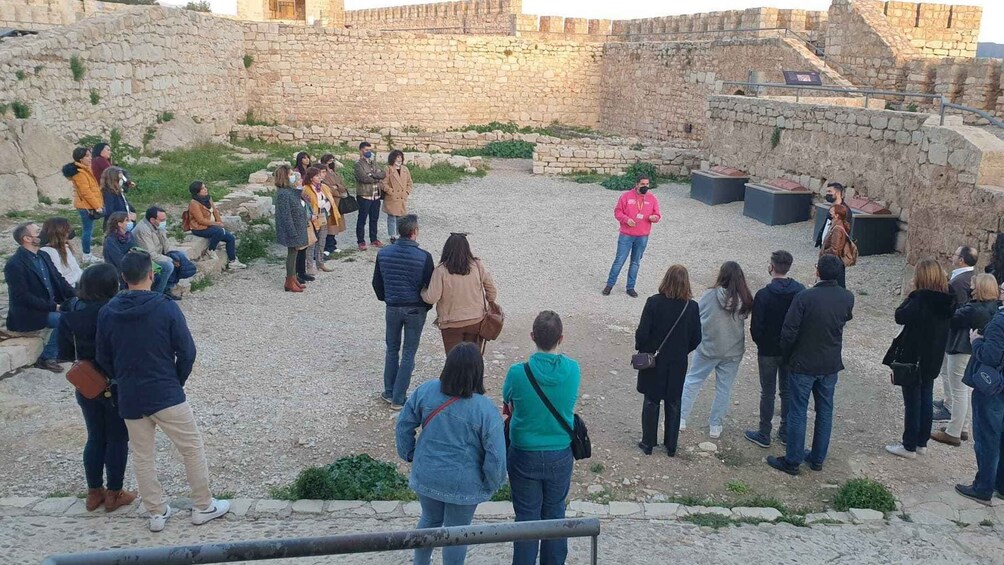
point(85, 376)
point(905, 367)
point(643, 361)
point(582, 446)
point(849, 255)
point(347, 204)
point(491, 324)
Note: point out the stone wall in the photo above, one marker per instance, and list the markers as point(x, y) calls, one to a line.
point(137, 64)
point(322, 12)
point(811, 24)
point(430, 81)
point(936, 30)
point(496, 17)
point(44, 14)
point(611, 156)
point(30, 159)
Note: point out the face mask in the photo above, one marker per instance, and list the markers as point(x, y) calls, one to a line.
point(129, 226)
point(122, 181)
point(73, 234)
point(642, 189)
point(368, 154)
point(163, 226)
point(830, 198)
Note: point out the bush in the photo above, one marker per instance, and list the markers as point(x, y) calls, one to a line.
point(315, 483)
point(248, 59)
point(363, 478)
point(77, 68)
point(21, 110)
point(631, 176)
point(510, 149)
point(254, 244)
point(165, 117)
point(864, 493)
point(20, 75)
point(504, 494)
point(95, 97)
point(202, 6)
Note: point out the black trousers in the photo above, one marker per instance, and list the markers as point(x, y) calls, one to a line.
point(301, 262)
point(650, 417)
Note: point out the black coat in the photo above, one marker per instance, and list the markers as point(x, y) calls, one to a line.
point(78, 330)
point(30, 303)
point(961, 289)
point(671, 364)
point(813, 332)
point(770, 306)
point(925, 316)
point(972, 316)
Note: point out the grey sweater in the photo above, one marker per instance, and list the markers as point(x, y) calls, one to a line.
point(724, 333)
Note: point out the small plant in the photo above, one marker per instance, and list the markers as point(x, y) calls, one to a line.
point(3, 109)
point(165, 117)
point(21, 110)
point(201, 6)
point(281, 493)
point(202, 284)
point(987, 523)
point(248, 60)
point(709, 520)
point(59, 494)
point(254, 244)
point(21, 75)
point(764, 502)
point(226, 495)
point(911, 107)
point(364, 478)
point(77, 68)
point(794, 520)
point(45, 200)
point(64, 201)
point(148, 135)
point(501, 149)
point(775, 138)
point(597, 468)
point(961, 524)
point(738, 487)
point(631, 176)
point(411, 129)
point(315, 483)
point(38, 69)
point(504, 494)
point(864, 493)
point(95, 97)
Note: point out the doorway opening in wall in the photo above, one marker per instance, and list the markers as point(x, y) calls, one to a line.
point(287, 9)
point(739, 92)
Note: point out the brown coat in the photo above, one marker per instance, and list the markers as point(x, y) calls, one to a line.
point(202, 218)
point(338, 191)
point(460, 299)
point(334, 218)
point(835, 241)
point(396, 190)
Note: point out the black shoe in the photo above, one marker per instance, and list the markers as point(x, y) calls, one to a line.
point(49, 365)
point(632, 293)
point(781, 465)
point(306, 278)
point(969, 492)
point(172, 296)
point(813, 466)
point(607, 289)
point(942, 415)
point(301, 280)
point(758, 438)
point(670, 453)
point(782, 439)
point(646, 449)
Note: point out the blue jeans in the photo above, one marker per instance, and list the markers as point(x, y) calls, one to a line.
point(367, 209)
point(918, 414)
point(51, 349)
point(988, 442)
point(799, 387)
point(392, 226)
point(636, 247)
point(437, 514)
point(725, 376)
point(107, 447)
point(539, 482)
point(87, 223)
point(398, 365)
point(216, 234)
point(162, 281)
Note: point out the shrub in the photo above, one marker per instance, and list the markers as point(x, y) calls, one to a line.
point(95, 97)
point(20, 74)
point(315, 483)
point(501, 149)
point(911, 107)
point(202, 284)
point(864, 493)
point(201, 6)
point(248, 60)
point(21, 110)
point(775, 138)
point(504, 494)
point(631, 176)
point(45, 200)
point(255, 244)
point(165, 117)
point(363, 478)
point(737, 486)
point(77, 68)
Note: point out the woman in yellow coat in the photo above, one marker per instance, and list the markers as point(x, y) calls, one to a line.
point(87, 198)
point(396, 190)
point(325, 216)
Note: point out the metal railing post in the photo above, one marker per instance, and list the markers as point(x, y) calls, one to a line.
point(941, 111)
point(594, 552)
point(867, 97)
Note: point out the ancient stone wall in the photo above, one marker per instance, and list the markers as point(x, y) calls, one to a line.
point(132, 66)
point(429, 81)
point(721, 25)
point(611, 156)
point(496, 17)
point(936, 30)
point(43, 14)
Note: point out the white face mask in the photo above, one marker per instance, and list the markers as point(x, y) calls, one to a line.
point(163, 226)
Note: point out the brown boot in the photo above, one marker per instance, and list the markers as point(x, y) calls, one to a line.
point(115, 499)
point(292, 285)
point(945, 438)
point(95, 497)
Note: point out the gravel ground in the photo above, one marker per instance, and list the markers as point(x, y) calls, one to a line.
point(285, 381)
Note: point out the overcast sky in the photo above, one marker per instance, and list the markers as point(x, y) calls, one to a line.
point(992, 29)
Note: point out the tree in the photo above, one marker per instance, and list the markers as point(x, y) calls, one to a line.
point(201, 6)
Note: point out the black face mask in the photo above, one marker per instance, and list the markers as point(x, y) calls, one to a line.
point(830, 198)
point(642, 189)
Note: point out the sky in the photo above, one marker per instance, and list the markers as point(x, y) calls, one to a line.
point(992, 29)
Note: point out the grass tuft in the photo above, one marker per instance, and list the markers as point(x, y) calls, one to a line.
point(504, 494)
point(864, 493)
point(202, 284)
point(77, 68)
point(737, 486)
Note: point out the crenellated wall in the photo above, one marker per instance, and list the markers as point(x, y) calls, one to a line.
point(936, 30)
point(721, 25)
point(496, 17)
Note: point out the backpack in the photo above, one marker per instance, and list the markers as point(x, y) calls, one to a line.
point(186, 221)
point(850, 253)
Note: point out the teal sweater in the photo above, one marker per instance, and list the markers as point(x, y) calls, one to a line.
point(533, 427)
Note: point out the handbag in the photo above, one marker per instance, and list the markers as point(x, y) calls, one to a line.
point(491, 324)
point(642, 361)
point(347, 205)
point(582, 446)
point(85, 376)
point(905, 372)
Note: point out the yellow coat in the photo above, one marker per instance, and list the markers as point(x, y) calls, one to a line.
point(335, 219)
point(86, 190)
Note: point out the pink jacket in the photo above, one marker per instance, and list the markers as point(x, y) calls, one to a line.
point(628, 209)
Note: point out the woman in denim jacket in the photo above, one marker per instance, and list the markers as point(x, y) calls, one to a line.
point(459, 460)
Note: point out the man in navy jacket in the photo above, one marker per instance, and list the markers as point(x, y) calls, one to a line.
point(143, 343)
point(35, 290)
point(402, 271)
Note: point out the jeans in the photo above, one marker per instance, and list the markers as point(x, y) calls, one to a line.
point(216, 234)
point(398, 365)
point(773, 376)
point(822, 388)
point(107, 447)
point(51, 349)
point(392, 226)
point(367, 209)
point(162, 281)
point(725, 376)
point(437, 514)
point(330, 244)
point(918, 414)
point(636, 247)
point(988, 442)
point(957, 401)
point(87, 223)
point(539, 481)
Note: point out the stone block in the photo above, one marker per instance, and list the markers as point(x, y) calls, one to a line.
point(495, 509)
point(625, 508)
point(865, 515)
point(718, 510)
point(23, 502)
point(662, 509)
point(54, 506)
point(23, 351)
point(272, 507)
point(78, 508)
point(412, 509)
point(344, 505)
point(260, 177)
point(305, 506)
point(589, 508)
point(239, 507)
point(384, 506)
point(769, 514)
point(937, 154)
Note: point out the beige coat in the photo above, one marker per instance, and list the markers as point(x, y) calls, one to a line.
point(337, 185)
point(460, 299)
point(396, 190)
point(152, 239)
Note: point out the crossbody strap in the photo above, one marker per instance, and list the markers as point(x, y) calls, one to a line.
point(678, 318)
point(442, 407)
point(543, 398)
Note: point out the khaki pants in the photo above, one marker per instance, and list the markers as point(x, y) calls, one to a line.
point(455, 336)
point(178, 423)
point(957, 401)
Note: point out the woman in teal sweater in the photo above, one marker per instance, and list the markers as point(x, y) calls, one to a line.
point(540, 454)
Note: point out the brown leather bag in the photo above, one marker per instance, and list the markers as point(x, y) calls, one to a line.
point(85, 376)
point(491, 324)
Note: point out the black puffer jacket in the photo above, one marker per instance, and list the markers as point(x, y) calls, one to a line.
point(925, 315)
point(972, 316)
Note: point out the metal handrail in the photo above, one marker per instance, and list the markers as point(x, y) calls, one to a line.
point(339, 545)
point(819, 52)
point(981, 113)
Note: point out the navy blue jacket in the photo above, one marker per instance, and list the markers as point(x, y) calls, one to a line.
point(989, 348)
point(115, 203)
point(402, 271)
point(770, 306)
point(78, 329)
point(813, 332)
point(144, 344)
point(114, 250)
point(30, 303)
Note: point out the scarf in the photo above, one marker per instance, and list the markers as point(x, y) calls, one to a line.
point(205, 201)
point(123, 237)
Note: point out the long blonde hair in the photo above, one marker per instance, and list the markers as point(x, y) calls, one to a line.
point(930, 276)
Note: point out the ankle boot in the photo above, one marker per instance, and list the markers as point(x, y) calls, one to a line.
point(292, 285)
point(115, 499)
point(95, 497)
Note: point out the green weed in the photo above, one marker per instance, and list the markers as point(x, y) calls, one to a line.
point(59, 494)
point(596, 468)
point(864, 493)
point(504, 494)
point(45, 200)
point(226, 495)
point(441, 173)
point(165, 117)
point(202, 284)
point(77, 68)
point(737, 486)
point(501, 150)
point(248, 60)
point(21, 110)
point(351, 478)
point(20, 74)
point(255, 244)
point(631, 176)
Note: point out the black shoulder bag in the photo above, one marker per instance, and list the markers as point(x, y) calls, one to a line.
point(642, 361)
point(582, 447)
point(902, 361)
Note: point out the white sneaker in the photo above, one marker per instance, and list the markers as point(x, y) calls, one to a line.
point(900, 451)
point(683, 424)
point(158, 521)
point(235, 264)
point(216, 509)
point(921, 451)
point(716, 432)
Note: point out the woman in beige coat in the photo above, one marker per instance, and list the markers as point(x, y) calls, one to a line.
point(396, 189)
point(460, 288)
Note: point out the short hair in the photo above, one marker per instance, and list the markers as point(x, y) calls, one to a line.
point(838, 187)
point(464, 372)
point(326, 158)
point(99, 283)
point(313, 171)
point(985, 287)
point(80, 152)
point(195, 187)
point(136, 267)
point(394, 155)
point(364, 145)
point(547, 330)
point(829, 267)
point(114, 220)
point(781, 261)
point(930, 276)
point(969, 255)
point(407, 226)
point(152, 212)
point(22, 230)
point(676, 283)
point(641, 178)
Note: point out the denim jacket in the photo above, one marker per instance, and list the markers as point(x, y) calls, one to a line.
point(460, 458)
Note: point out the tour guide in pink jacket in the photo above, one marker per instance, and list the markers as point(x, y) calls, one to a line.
point(636, 211)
